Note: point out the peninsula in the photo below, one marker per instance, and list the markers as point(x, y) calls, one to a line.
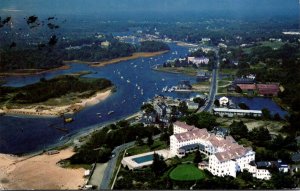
point(63, 94)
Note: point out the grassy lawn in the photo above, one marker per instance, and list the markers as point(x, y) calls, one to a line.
point(228, 71)
point(274, 44)
point(157, 145)
point(187, 172)
point(273, 126)
point(184, 70)
point(224, 83)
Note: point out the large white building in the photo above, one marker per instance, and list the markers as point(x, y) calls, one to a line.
point(226, 156)
point(198, 60)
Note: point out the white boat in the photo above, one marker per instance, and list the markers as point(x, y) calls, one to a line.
point(110, 112)
point(122, 77)
point(98, 113)
point(128, 81)
point(124, 101)
point(163, 79)
point(135, 66)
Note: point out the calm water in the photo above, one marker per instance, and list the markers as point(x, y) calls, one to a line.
point(29, 134)
point(259, 103)
point(143, 159)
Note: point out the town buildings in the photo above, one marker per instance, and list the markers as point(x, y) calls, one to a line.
point(225, 155)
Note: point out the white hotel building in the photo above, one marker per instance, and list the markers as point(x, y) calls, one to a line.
point(226, 156)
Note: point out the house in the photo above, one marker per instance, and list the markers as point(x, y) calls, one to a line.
point(247, 88)
point(236, 112)
point(202, 76)
point(224, 101)
point(198, 61)
point(184, 85)
point(149, 118)
point(105, 44)
point(226, 156)
point(203, 165)
point(243, 81)
point(270, 89)
point(192, 105)
point(282, 167)
point(220, 131)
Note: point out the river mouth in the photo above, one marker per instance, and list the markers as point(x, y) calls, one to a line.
point(135, 83)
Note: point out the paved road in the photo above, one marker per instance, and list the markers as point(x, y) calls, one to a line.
point(213, 87)
point(111, 165)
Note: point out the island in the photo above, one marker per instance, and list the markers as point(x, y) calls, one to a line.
point(54, 97)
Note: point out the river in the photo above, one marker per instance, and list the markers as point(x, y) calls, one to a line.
point(20, 134)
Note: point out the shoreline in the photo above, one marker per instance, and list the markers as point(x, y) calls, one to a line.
point(135, 55)
point(54, 111)
point(21, 172)
point(31, 72)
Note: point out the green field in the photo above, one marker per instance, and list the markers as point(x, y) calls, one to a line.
point(157, 145)
point(187, 172)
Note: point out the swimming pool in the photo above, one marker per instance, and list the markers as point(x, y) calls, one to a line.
point(143, 159)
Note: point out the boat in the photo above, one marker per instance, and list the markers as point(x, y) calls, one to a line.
point(98, 113)
point(68, 120)
point(128, 81)
point(124, 101)
point(122, 77)
point(135, 66)
point(100, 116)
point(110, 112)
point(163, 79)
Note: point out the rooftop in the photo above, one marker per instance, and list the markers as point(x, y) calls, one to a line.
point(236, 110)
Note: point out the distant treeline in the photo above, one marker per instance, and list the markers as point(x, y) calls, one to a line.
point(54, 88)
point(47, 58)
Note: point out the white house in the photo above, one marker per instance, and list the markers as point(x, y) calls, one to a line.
point(224, 101)
point(198, 60)
point(226, 156)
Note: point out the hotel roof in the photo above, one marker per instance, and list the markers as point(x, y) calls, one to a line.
point(184, 125)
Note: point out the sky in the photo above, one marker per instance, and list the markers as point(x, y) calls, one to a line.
point(131, 8)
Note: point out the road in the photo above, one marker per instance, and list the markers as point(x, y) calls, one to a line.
point(213, 86)
point(111, 165)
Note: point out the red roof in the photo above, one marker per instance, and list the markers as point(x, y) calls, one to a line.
point(268, 88)
point(247, 86)
point(184, 125)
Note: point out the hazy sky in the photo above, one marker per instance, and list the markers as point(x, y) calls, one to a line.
point(118, 7)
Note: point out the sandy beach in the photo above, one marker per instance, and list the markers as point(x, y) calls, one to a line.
point(116, 60)
point(45, 110)
point(39, 172)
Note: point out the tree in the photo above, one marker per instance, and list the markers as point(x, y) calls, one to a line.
point(139, 141)
point(183, 108)
point(150, 141)
point(244, 106)
point(238, 130)
point(246, 176)
point(260, 135)
point(277, 117)
point(198, 157)
point(147, 108)
point(282, 180)
point(217, 103)
point(200, 101)
point(266, 113)
point(159, 165)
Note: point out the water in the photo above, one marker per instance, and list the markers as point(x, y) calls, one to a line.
point(29, 134)
point(143, 159)
point(259, 103)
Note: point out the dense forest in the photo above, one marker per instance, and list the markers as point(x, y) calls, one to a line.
point(153, 46)
point(53, 88)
